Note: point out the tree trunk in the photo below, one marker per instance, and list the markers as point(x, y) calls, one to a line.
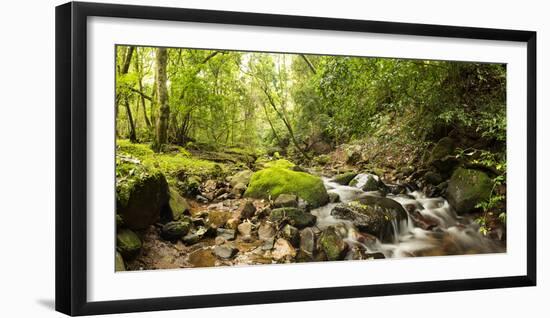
point(141, 93)
point(162, 99)
point(133, 137)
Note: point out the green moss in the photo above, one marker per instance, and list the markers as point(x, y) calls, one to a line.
point(332, 244)
point(119, 263)
point(178, 205)
point(175, 162)
point(281, 163)
point(467, 188)
point(444, 147)
point(271, 182)
point(128, 243)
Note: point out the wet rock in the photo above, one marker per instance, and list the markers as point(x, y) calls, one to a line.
point(128, 243)
point(304, 205)
point(433, 178)
point(248, 210)
point(219, 240)
point(191, 238)
point(218, 219)
point(119, 263)
point(291, 234)
point(296, 217)
point(344, 178)
point(286, 201)
point(283, 250)
point(445, 165)
point(307, 241)
point(202, 258)
point(373, 215)
point(266, 231)
point(225, 251)
point(175, 230)
point(376, 255)
point(227, 234)
point(201, 198)
point(371, 184)
point(467, 188)
point(333, 197)
point(245, 230)
point(332, 244)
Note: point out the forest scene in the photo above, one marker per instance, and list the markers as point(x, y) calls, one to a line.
point(246, 158)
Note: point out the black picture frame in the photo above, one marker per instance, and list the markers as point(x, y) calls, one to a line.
point(71, 157)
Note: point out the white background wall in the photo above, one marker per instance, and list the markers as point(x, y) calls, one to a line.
point(27, 157)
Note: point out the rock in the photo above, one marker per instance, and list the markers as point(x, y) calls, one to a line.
point(119, 263)
point(344, 178)
point(271, 182)
point(467, 188)
point(248, 210)
point(333, 197)
point(192, 185)
point(304, 205)
point(268, 244)
point(433, 178)
point(332, 244)
point(225, 251)
point(291, 234)
point(226, 196)
point(210, 185)
point(286, 201)
point(178, 205)
point(262, 213)
point(266, 231)
point(307, 241)
point(175, 230)
point(239, 189)
point(245, 230)
point(241, 177)
point(407, 171)
point(283, 250)
point(128, 243)
point(220, 192)
point(202, 258)
point(232, 223)
point(218, 218)
point(373, 215)
point(227, 234)
point(446, 164)
point(119, 221)
point(371, 183)
point(353, 157)
point(201, 199)
point(296, 217)
point(219, 240)
point(191, 238)
point(140, 197)
point(444, 147)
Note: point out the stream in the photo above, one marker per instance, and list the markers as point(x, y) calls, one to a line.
point(453, 235)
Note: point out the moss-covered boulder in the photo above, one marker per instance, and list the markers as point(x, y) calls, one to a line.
point(178, 205)
point(296, 217)
point(119, 263)
point(271, 182)
point(175, 230)
point(332, 244)
point(344, 178)
point(128, 243)
point(141, 194)
point(444, 147)
point(242, 177)
point(373, 215)
point(467, 188)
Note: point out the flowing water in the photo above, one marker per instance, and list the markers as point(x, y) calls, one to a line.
point(453, 235)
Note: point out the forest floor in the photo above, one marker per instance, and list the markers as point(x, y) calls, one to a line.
point(221, 234)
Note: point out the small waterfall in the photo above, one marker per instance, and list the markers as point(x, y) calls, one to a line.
point(452, 235)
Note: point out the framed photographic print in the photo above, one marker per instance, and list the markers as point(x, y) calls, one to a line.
point(208, 158)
